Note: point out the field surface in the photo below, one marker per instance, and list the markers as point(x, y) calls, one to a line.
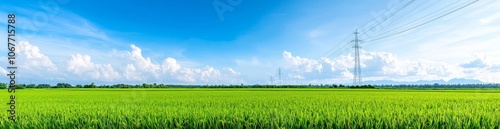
point(253, 108)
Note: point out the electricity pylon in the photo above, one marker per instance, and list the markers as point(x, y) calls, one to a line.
point(357, 80)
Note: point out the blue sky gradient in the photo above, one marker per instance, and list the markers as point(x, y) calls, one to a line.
point(186, 42)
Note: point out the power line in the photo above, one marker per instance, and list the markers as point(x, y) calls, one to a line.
point(380, 15)
point(413, 9)
point(336, 46)
point(384, 19)
point(364, 33)
point(422, 23)
point(423, 18)
point(344, 46)
point(357, 79)
point(347, 43)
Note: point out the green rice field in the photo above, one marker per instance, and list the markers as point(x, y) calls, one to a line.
point(253, 108)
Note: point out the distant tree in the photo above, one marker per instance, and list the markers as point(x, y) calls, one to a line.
point(59, 85)
point(89, 86)
point(145, 85)
point(3, 86)
point(67, 85)
point(79, 86)
point(121, 86)
point(20, 86)
point(31, 86)
point(43, 86)
point(63, 85)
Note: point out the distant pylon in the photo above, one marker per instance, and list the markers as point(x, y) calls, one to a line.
point(279, 74)
point(357, 80)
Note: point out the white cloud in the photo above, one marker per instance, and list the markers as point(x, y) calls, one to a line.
point(131, 74)
point(300, 64)
point(32, 63)
point(204, 75)
point(170, 65)
point(143, 63)
point(32, 59)
point(296, 76)
point(82, 66)
point(136, 69)
point(385, 66)
point(209, 73)
point(142, 67)
point(305, 70)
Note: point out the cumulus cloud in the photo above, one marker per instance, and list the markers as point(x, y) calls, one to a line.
point(143, 63)
point(296, 76)
point(388, 65)
point(30, 58)
point(304, 70)
point(170, 65)
point(131, 74)
point(231, 71)
point(136, 69)
point(32, 63)
point(301, 64)
point(83, 66)
point(142, 68)
point(382, 66)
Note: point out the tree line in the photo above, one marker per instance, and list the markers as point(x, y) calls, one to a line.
point(155, 85)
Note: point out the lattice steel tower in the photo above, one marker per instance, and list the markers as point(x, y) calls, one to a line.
point(357, 80)
point(279, 74)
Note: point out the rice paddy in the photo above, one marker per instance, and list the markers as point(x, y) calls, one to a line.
point(253, 108)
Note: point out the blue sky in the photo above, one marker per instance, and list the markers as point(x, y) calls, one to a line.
point(188, 42)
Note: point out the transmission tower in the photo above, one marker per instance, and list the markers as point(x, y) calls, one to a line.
point(357, 63)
